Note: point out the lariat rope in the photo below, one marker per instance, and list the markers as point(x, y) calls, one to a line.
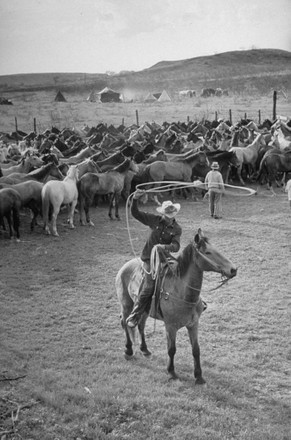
point(155, 257)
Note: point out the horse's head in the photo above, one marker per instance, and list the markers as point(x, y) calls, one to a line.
point(133, 166)
point(210, 259)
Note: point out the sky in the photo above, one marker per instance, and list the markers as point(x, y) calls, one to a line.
point(98, 36)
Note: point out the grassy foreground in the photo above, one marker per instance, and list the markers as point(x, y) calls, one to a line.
point(61, 337)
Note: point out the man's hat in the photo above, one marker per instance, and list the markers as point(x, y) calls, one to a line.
point(215, 166)
point(169, 209)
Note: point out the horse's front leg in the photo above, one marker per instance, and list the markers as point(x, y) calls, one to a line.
point(116, 200)
point(71, 211)
point(171, 343)
point(193, 335)
point(128, 352)
point(111, 199)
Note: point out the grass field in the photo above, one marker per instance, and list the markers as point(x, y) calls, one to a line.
point(61, 336)
point(77, 111)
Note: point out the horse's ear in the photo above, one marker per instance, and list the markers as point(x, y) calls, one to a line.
point(198, 236)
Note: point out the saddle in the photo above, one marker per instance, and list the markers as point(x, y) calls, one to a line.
point(137, 279)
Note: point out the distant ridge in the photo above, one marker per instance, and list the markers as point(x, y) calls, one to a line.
point(256, 69)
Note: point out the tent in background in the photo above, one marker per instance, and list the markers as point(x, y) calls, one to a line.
point(60, 97)
point(150, 98)
point(164, 97)
point(108, 95)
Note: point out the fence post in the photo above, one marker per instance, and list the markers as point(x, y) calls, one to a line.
point(34, 125)
point(230, 117)
point(136, 115)
point(245, 116)
point(188, 119)
point(215, 116)
point(259, 116)
point(274, 105)
point(16, 127)
point(122, 122)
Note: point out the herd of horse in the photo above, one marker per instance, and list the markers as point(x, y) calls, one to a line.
point(112, 161)
point(74, 168)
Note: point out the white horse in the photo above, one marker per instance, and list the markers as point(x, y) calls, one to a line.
point(56, 193)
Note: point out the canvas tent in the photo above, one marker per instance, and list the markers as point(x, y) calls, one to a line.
point(60, 97)
point(164, 97)
point(150, 98)
point(108, 95)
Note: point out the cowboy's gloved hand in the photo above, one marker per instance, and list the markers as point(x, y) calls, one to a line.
point(138, 193)
point(161, 246)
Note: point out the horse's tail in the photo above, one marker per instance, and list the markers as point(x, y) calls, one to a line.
point(262, 171)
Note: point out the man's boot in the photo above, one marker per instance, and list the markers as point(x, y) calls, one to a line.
point(140, 307)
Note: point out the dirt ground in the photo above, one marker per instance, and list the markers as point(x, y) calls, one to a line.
point(58, 301)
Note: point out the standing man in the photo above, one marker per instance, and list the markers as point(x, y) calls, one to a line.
point(165, 233)
point(215, 185)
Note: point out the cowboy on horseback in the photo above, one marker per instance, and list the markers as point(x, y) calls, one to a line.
point(165, 234)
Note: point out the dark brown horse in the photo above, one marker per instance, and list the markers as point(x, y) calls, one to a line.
point(274, 162)
point(180, 304)
point(30, 195)
point(10, 204)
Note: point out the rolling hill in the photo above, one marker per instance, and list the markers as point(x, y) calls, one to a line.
point(250, 70)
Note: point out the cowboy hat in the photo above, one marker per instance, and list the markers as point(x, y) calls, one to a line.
point(215, 165)
point(169, 209)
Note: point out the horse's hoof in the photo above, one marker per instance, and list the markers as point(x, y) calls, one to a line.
point(200, 381)
point(128, 357)
point(55, 234)
point(146, 352)
point(172, 376)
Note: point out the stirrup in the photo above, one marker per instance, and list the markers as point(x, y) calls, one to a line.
point(131, 322)
point(204, 305)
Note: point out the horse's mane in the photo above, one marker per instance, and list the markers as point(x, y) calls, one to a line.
point(42, 171)
point(187, 255)
point(123, 167)
point(191, 157)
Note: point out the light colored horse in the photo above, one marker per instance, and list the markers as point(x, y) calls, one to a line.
point(248, 155)
point(56, 193)
point(25, 166)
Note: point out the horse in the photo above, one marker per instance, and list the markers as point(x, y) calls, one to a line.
point(42, 174)
point(248, 155)
point(88, 166)
point(111, 183)
point(30, 194)
point(56, 193)
point(179, 170)
point(179, 303)
point(273, 162)
point(10, 204)
point(83, 154)
point(26, 164)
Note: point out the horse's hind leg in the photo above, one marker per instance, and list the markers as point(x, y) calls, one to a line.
point(54, 221)
point(143, 345)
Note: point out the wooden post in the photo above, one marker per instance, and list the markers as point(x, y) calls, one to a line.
point(274, 105)
point(34, 125)
point(188, 119)
point(16, 127)
point(122, 122)
point(230, 117)
point(136, 115)
point(259, 116)
point(216, 116)
point(245, 116)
